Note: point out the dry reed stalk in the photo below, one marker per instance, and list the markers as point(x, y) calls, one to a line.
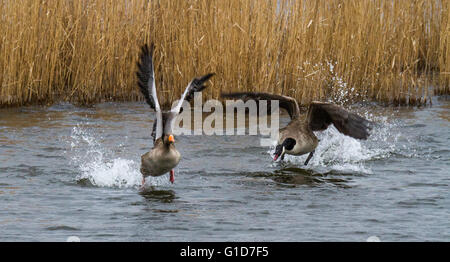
point(84, 51)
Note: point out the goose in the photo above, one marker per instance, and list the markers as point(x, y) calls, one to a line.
point(298, 138)
point(163, 157)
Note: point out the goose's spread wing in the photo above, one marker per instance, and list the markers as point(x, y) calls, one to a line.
point(146, 76)
point(196, 85)
point(285, 102)
point(146, 82)
point(321, 115)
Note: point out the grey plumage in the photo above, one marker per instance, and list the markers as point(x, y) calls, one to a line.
point(163, 157)
point(167, 118)
point(197, 85)
point(146, 79)
point(145, 73)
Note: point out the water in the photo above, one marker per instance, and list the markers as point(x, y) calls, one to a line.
point(68, 171)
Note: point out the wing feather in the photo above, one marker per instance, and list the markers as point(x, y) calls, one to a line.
point(146, 82)
point(146, 76)
point(285, 102)
point(321, 115)
point(196, 85)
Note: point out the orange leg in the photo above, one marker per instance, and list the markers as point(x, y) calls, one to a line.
point(172, 176)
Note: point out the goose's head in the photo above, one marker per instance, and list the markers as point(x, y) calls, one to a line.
point(287, 145)
point(168, 139)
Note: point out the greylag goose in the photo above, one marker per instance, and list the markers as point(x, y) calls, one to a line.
point(297, 138)
point(163, 157)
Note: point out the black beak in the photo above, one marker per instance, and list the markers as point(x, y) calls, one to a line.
point(278, 152)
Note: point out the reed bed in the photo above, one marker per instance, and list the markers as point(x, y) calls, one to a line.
point(84, 51)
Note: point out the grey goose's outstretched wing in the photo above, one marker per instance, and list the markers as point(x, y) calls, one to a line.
point(146, 82)
point(285, 102)
point(146, 76)
point(168, 118)
point(196, 85)
point(321, 115)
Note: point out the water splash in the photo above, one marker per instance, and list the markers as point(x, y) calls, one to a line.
point(338, 152)
point(101, 166)
point(115, 173)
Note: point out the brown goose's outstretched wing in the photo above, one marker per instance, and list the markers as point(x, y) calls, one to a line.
point(321, 115)
point(285, 102)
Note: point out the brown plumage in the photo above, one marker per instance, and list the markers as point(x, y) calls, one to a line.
point(298, 138)
point(163, 157)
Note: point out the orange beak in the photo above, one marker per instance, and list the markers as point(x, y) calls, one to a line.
point(171, 139)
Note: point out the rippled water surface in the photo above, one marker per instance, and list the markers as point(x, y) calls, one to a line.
point(70, 171)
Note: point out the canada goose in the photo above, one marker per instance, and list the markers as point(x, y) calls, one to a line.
point(164, 156)
point(297, 138)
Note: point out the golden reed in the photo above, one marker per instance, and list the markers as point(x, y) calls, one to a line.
point(84, 51)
